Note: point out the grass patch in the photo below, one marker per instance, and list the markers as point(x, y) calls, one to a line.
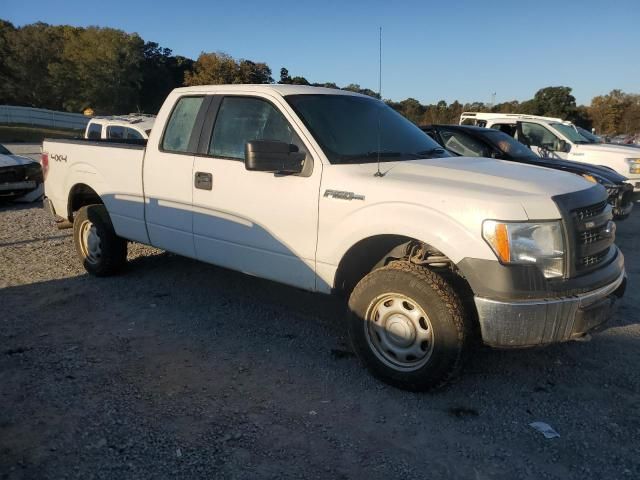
point(35, 134)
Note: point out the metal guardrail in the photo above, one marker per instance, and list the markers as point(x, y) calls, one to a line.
point(10, 114)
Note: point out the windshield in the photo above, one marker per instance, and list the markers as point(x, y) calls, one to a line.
point(509, 145)
point(569, 132)
point(4, 151)
point(591, 138)
point(353, 129)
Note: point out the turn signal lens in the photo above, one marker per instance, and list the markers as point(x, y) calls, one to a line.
point(591, 178)
point(502, 242)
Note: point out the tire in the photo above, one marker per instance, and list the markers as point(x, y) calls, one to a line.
point(408, 326)
point(102, 252)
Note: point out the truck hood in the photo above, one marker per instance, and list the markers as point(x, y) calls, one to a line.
point(486, 175)
point(14, 160)
point(609, 149)
point(463, 186)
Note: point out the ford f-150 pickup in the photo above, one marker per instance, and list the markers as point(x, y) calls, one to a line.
point(334, 192)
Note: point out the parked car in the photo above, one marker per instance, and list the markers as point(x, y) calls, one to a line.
point(470, 141)
point(19, 176)
point(335, 192)
point(123, 127)
point(554, 137)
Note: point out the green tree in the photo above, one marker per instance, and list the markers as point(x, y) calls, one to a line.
point(33, 49)
point(100, 68)
point(552, 102)
point(286, 79)
point(354, 87)
point(161, 73)
point(219, 68)
point(7, 80)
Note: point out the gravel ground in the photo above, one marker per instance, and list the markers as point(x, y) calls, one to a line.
point(178, 369)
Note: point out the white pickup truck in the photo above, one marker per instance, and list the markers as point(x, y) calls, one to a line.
point(556, 138)
point(331, 191)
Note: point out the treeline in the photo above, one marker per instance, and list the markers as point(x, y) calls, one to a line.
point(111, 71)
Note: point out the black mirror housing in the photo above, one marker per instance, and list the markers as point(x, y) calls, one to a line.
point(273, 156)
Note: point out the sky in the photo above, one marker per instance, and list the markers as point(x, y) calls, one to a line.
point(445, 50)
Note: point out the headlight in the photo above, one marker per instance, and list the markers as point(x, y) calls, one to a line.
point(540, 244)
point(634, 165)
point(33, 171)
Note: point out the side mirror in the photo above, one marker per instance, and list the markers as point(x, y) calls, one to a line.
point(497, 154)
point(272, 156)
point(561, 146)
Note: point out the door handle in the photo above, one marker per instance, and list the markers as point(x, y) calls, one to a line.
point(203, 181)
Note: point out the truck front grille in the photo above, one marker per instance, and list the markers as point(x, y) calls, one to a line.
point(590, 211)
point(594, 235)
point(10, 175)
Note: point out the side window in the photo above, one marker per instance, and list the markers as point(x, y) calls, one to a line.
point(95, 131)
point(242, 119)
point(180, 125)
point(537, 136)
point(115, 131)
point(462, 144)
point(133, 134)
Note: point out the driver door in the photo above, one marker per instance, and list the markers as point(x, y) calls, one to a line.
point(260, 223)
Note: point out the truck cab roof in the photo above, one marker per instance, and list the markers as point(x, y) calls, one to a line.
point(280, 89)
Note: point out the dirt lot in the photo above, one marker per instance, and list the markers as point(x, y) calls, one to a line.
point(178, 369)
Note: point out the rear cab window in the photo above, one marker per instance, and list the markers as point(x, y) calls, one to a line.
point(462, 144)
point(115, 132)
point(180, 125)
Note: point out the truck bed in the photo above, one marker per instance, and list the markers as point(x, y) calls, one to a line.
point(112, 169)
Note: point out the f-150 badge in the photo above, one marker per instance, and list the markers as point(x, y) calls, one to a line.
point(341, 195)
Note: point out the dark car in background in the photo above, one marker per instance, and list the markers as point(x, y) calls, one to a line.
point(471, 141)
point(19, 175)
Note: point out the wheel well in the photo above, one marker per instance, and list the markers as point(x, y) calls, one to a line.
point(80, 196)
point(377, 251)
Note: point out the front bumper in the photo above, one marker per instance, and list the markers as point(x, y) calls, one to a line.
point(529, 323)
point(17, 188)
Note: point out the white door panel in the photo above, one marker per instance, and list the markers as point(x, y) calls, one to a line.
point(168, 197)
point(227, 232)
point(168, 180)
point(257, 222)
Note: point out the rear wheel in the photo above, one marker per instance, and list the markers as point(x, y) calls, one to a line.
point(407, 325)
point(102, 252)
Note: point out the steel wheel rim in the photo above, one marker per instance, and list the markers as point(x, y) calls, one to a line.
point(90, 242)
point(399, 332)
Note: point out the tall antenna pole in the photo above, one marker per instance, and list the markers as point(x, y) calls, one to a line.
point(378, 172)
point(380, 65)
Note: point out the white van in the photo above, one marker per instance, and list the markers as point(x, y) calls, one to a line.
point(557, 138)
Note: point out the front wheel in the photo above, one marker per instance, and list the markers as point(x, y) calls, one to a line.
point(102, 252)
point(407, 325)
